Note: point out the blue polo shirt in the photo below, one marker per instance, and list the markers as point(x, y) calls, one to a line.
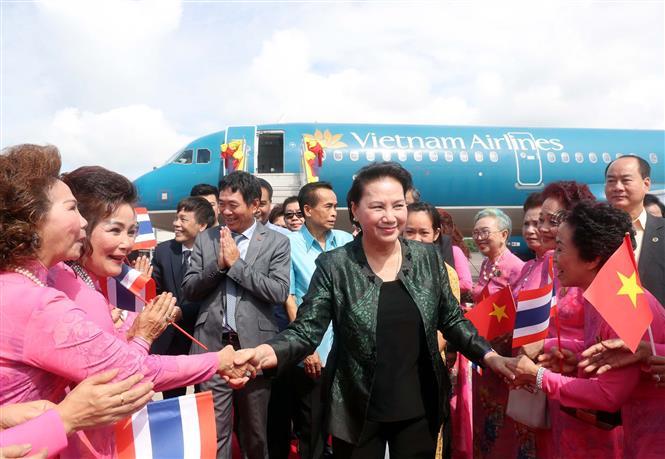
point(304, 252)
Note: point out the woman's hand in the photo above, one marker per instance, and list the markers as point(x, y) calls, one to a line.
point(235, 367)
point(97, 402)
point(559, 360)
point(499, 365)
point(155, 317)
point(525, 371)
point(14, 451)
point(18, 413)
point(657, 369)
point(612, 353)
point(143, 265)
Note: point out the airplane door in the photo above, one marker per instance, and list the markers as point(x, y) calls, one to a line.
point(247, 134)
point(527, 159)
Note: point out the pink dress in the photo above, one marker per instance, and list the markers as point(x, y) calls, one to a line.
point(507, 272)
point(628, 389)
point(47, 342)
point(44, 431)
point(462, 268)
point(495, 435)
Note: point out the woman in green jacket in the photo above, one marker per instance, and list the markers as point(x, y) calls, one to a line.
point(386, 298)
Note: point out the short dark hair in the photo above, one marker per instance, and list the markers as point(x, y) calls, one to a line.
point(265, 184)
point(201, 207)
point(307, 194)
point(373, 172)
point(598, 229)
point(422, 206)
point(532, 201)
point(289, 200)
point(276, 211)
point(568, 192)
point(244, 183)
point(650, 199)
point(99, 193)
point(642, 164)
point(203, 189)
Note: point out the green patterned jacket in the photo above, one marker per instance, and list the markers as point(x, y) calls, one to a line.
point(344, 290)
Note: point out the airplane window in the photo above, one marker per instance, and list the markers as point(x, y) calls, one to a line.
point(449, 156)
point(607, 158)
point(433, 156)
point(551, 157)
point(618, 155)
point(418, 156)
point(354, 155)
point(185, 157)
point(593, 158)
point(579, 157)
point(494, 157)
point(338, 155)
point(464, 156)
point(479, 156)
point(386, 155)
point(653, 158)
point(370, 156)
point(202, 156)
point(565, 157)
point(401, 155)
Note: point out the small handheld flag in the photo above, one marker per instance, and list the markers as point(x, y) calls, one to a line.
point(179, 428)
point(533, 315)
point(495, 315)
point(145, 239)
point(618, 296)
point(129, 289)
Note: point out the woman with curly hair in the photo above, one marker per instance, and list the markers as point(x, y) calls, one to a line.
point(586, 239)
point(48, 342)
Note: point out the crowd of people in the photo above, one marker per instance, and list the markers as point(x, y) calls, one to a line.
point(346, 343)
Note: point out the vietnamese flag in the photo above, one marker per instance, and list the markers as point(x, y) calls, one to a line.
point(494, 315)
point(618, 296)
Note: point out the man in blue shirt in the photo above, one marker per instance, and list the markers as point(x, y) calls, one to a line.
point(318, 205)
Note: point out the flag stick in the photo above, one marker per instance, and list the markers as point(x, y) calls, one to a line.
point(653, 346)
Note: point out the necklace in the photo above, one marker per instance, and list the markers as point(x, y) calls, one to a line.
point(30, 275)
point(80, 272)
point(527, 275)
point(493, 271)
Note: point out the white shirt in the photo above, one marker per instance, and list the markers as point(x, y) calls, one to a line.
point(639, 224)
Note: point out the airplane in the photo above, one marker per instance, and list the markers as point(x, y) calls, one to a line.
point(461, 169)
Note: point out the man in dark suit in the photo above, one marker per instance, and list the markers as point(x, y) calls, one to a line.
point(627, 180)
point(170, 262)
point(238, 272)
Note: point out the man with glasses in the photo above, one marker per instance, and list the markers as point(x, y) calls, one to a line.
point(293, 216)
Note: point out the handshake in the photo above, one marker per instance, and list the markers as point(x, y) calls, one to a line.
point(238, 367)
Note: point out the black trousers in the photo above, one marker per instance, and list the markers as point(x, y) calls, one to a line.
point(308, 413)
point(412, 438)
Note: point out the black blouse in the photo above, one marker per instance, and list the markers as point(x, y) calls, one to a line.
point(401, 380)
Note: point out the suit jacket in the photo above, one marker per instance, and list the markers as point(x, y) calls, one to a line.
point(652, 257)
point(168, 275)
point(262, 280)
point(344, 290)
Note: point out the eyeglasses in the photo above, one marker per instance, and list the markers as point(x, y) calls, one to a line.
point(292, 214)
point(483, 234)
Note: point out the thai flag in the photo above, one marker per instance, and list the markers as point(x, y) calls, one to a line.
point(179, 428)
point(146, 237)
point(126, 289)
point(533, 315)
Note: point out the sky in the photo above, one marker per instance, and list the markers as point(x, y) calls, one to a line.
point(125, 84)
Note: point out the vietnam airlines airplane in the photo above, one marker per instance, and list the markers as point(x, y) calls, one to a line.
point(459, 168)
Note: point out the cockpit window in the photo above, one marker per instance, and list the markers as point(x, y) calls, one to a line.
point(202, 156)
point(185, 157)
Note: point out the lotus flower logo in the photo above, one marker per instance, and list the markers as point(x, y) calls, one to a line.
point(326, 139)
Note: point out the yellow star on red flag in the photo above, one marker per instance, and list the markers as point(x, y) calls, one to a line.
point(630, 287)
point(499, 312)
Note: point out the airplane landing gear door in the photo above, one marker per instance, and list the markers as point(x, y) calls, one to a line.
point(527, 160)
point(246, 134)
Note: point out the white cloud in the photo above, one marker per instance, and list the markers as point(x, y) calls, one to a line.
point(127, 139)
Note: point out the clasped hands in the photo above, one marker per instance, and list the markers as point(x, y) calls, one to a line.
point(228, 249)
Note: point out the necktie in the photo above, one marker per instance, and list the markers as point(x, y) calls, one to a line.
point(186, 254)
point(232, 292)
